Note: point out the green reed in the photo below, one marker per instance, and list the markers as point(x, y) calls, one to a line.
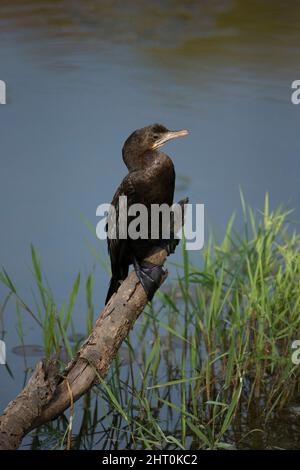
point(211, 348)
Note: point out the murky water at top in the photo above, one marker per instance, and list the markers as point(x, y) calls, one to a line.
point(82, 75)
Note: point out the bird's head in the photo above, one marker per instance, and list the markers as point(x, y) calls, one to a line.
point(146, 139)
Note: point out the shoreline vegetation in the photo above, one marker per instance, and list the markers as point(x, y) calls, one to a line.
point(208, 365)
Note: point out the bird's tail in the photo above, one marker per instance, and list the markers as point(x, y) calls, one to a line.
point(113, 287)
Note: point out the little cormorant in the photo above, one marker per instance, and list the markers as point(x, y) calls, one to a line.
point(150, 180)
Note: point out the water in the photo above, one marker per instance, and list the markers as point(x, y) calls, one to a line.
point(82, 75)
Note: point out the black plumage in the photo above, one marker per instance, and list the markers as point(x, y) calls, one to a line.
point(150, 180)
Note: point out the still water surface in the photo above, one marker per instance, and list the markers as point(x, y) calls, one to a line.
point(82, 75)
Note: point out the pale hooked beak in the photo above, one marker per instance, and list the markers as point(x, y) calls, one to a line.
point(170, 135)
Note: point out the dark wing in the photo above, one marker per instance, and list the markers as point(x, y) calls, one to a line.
point(118, 248)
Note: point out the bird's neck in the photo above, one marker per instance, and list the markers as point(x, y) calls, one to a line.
point(137, 160)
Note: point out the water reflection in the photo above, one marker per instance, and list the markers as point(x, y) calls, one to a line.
point(208, 27)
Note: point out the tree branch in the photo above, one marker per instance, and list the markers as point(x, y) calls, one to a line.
point(47, 393)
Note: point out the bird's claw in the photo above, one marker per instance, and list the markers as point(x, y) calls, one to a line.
point(149, 275)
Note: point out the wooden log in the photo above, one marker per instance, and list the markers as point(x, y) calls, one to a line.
point(50, 392)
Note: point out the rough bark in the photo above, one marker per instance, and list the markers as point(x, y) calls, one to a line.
point(50, 392)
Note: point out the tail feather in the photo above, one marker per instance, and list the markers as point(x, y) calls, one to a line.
point(113, 287)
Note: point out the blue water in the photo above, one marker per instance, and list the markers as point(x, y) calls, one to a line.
point(81, 76)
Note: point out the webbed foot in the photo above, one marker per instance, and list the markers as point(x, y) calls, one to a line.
point(149, 275)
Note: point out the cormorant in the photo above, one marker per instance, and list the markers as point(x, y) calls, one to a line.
point(150, 180)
